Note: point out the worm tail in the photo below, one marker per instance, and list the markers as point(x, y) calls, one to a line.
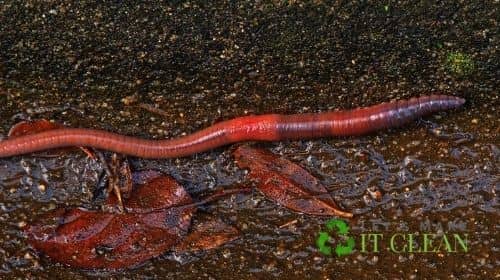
point(395, 114)
point(362, 120)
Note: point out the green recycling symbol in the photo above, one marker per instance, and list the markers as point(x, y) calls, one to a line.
point(342, 229)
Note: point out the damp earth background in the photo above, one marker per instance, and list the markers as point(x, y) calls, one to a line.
point(81, 64)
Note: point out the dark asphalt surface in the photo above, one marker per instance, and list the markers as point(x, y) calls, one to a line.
point(82, 63)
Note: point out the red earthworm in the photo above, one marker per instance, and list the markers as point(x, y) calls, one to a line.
point(271, 127)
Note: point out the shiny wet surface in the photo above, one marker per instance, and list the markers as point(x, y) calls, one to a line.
point(202, 64)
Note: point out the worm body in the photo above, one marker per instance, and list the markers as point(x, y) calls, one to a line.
point(271, 127)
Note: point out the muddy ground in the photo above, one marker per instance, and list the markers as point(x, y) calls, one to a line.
point(92, 65)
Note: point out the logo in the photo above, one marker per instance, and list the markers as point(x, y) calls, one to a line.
point(342, 230)
point(337, 233)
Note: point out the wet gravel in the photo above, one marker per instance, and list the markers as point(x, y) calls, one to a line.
point(195, 63)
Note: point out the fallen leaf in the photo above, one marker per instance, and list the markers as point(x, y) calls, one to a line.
point(207, 235)
point(158, 216)
point(31, 127)
point(287, 183)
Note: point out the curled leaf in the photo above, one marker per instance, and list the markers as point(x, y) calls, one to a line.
point(31, 127)
point(158, 216)
point(287, 183)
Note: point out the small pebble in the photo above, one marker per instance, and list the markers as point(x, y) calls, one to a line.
point(28, 256)
point(129, 100)
point(226, 253)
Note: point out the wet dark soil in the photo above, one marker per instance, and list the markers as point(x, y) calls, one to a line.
point(92, 65)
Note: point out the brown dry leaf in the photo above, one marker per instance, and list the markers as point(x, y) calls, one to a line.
point(158, 216)
point(207, 235)
point(287, 183)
